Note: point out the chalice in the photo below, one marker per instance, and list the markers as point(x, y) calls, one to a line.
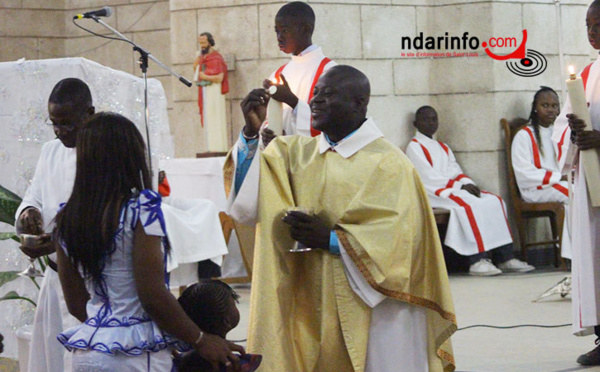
point(299, 247)
point(28, 240)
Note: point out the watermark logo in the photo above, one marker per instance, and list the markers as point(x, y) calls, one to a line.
point(531, 63)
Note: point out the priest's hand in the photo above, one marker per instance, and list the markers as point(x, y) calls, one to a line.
point(30, 222)
point(254, 108)
point(307, 229)
point(473, 189)
point(587, 139)
point(41, 246)
point(284, 92)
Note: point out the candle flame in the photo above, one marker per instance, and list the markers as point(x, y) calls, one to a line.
point(571, 69)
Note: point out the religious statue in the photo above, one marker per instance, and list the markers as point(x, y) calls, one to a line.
point(210, 75)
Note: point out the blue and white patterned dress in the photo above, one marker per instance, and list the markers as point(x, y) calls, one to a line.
point(119, 334)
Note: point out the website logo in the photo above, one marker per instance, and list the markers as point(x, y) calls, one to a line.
point(531, 63)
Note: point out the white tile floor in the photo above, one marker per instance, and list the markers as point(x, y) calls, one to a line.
point(502, 301)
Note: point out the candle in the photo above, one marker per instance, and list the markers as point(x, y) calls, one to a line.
point(576, 92)
point(590, 159)
point(275, 113)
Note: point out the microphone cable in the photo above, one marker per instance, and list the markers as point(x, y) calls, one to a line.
point(515, 326)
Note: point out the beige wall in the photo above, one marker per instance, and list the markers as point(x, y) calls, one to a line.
point(471, 94)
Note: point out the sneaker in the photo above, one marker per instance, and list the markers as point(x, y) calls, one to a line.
point(484, 267)
point(591, 358)
point(516, 266)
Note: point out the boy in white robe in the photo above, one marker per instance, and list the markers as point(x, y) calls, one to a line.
point(294, 25)
point(478, 222)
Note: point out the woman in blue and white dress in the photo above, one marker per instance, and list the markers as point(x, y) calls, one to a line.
point(111, 261)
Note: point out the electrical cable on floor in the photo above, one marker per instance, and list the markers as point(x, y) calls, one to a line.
point(515, 326)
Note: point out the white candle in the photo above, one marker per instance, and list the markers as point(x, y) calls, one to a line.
point(275, 113)
point(589, 158)
point(579, 105)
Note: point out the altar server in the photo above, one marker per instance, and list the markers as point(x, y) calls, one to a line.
point(478, 222)
point(534, 159)
point(571, 134)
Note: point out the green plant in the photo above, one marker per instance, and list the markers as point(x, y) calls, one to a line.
point(9, 202)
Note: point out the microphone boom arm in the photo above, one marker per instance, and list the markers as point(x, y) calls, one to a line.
point(139, 48)
point(144, 66)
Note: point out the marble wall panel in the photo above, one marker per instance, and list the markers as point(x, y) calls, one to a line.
point(411, 75)
point(468, 122)
point(109, 53)
point(31, 23)
point(143, 17)
point(383, 28)
point(184, 43)
point(235, 30)
point(379, 72)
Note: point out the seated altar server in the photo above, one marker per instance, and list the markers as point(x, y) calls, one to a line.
point(478, 222)
point(534, 160)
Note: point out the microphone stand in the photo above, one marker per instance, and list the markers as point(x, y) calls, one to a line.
point(143, 62)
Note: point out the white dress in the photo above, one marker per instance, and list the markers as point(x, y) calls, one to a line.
point(538, 175)
point(118, 334)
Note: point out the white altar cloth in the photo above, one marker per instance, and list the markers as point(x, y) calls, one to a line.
point(203, 178)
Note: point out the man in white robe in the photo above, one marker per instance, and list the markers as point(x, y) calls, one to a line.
point(70, 103)
point(478, 221)
point(570, 137)
point(294, 25)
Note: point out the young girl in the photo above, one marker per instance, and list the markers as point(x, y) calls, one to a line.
point(533, 155)
point(211, 304)
point(534, 159)
point(111, 260)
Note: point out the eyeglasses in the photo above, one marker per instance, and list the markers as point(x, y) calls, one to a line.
point(59, 125)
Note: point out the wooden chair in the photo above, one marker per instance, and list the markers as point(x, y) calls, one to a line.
point(555, 211)
point(228, 226)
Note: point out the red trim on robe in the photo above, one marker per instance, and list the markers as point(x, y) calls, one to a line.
point(444, 147)
point(472, 221)
point(278, 74)
point(560, 143)
point(503, 211)
point(425, 151)
point(325, 61)
point(561, 188)
point(536, 151)
point(460, 177)
point(547, 178)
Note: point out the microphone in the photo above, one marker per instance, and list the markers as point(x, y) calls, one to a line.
point(104, 12)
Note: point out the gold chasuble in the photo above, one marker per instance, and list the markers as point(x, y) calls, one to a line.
point(304, 316)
